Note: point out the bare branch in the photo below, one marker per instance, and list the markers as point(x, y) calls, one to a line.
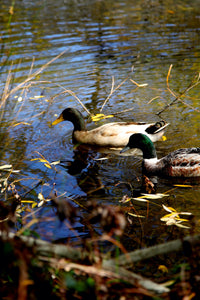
point(112, 91)
point(194, 83)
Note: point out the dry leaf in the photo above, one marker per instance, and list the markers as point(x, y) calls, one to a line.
point(137, 216)
point(99, 117)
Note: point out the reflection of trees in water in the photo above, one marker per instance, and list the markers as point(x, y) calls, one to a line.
point(85, 169)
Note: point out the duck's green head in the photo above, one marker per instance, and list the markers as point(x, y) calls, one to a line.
point(72, 115)
point(142, 142)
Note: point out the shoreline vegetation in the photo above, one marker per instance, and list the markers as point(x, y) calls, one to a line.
point(32, 268)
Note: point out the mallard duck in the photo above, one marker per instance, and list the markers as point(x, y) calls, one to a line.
point(183, 162)
point(114, 134)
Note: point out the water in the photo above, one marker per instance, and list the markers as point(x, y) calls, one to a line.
point(102, 40)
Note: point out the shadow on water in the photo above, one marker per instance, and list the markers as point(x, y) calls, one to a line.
point(85, 169)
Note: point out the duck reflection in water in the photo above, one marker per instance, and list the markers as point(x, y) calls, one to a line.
point(85, 169)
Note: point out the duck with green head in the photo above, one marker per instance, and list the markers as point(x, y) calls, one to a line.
point(114, 134)
point(183, 162)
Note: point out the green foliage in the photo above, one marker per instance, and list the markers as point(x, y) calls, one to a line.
point(79, 284)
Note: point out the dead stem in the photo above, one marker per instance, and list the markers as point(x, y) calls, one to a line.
point(194, 83)
point(29, 78)
point(113, 90)
point(5, 92)
point(73, 95)
point(123, 111)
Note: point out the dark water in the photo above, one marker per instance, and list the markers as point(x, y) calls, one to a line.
point(136, 40)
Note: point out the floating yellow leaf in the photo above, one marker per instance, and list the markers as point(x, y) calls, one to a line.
point(183, 185)
point(170, 11)
point(48, 166)
point(182, 226)
point(163, 268)
point(21, 123)
point(99, 117)
point(41, 203)
point(40, 96)
point(40, 159)
point(101, 158)
point(36, 97)
point(169, 209)
point(5, 167)
point(28, 201)
point(140, 199)
point(34, 205)
point(126, 199)
point(174, 216)
point(55, 162)
point(185, 213)
point(168, 283)
point(154, 196)
point(139, 85)
point(40, 197)
point(164, 138)
point(43, 160)
point(137, 216)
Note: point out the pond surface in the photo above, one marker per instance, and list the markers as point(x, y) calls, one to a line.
point(104, 42)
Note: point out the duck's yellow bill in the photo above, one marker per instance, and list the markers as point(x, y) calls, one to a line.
point(58, 120)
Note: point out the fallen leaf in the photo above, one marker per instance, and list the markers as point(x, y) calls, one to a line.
point(139, 85)
point(137, 216)
point(41, 197)
point(55, 162)
point(182, 226)
point(21, 123)
point(163, 268)
point(99, 117)
point(48, 165)
point(169, 209)
point(140, 199)
point(5, 167)
point(183, 185)
point(155, 196)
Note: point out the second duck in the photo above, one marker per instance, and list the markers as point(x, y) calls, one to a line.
point(184, 162)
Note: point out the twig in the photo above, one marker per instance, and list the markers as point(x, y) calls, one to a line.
point(138, 279)
point(142, 254)
point(151, 100)
point(123, 111)
point(48, 249)
point(74, 95)
point(190, 86)
point(5, 92)
point(119, 273)
point(112, 90)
